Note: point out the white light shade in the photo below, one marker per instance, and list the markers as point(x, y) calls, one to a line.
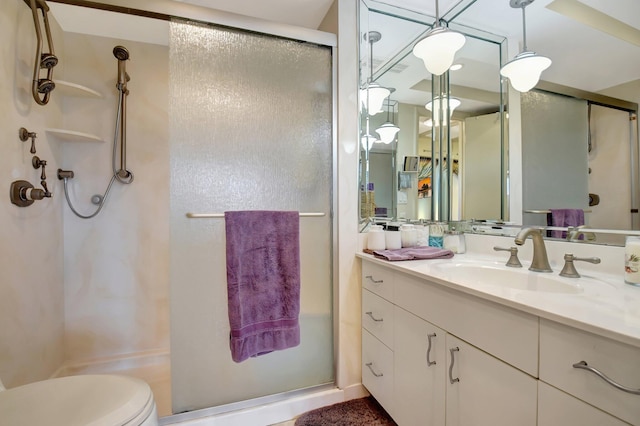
point(372, 97)
point(367, 142)
point(434, 107)
point(438, 48)
point(387, 132)
point(524, 70)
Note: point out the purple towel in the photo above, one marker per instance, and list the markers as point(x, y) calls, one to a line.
point(263, 281)
point(566, 217)
point(414, 253)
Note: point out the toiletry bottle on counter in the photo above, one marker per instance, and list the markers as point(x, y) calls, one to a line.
point(436, 235)
point(632, 260)
point(408, 235)
point(375, 238)
point(392, 237)
point(454, 241)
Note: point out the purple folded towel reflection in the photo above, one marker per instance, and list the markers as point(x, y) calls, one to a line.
point(263, 281)
point(565, 217)
point(414, 253)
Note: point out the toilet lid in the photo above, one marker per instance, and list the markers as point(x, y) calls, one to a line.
point(96, 400)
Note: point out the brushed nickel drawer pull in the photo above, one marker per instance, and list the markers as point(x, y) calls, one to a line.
point(373, 371)
point(374, 281)
point(429, 337)
point(453, 360)
point(374, 318)
point(583, 365)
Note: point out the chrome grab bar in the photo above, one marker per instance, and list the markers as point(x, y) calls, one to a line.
point(373, 371)
point(429, 337)
point(584, 366)
point(374, 318)
point(453, 360)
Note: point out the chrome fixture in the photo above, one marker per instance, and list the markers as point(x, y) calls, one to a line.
point(372, 95)
point(540, 262)
point(43, 60)
point(574, 233)
point(22, 193)
point(439, 46)
point(569, 270)
point(24, 136)
point(122, 175)
point(525, 69)
point(388, 130)
point(584, 366)
point(513, 261)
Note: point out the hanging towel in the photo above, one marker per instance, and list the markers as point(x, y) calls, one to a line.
point(263, 281)
point(565, 217)
point(413, 253)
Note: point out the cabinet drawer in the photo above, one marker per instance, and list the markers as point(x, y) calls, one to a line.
point(378, 280)
point(558, 408)
point(506, 333)
point(377, 317)
point(377, 370)
point(561, 347)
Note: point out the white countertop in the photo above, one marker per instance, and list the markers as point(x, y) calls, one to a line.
point(606, 305)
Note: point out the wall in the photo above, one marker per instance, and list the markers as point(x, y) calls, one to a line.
point(31, 280)
point(117, 263)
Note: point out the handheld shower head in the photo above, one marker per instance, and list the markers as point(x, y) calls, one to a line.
point(45, 86)
point(47, 60)
point(121, 53)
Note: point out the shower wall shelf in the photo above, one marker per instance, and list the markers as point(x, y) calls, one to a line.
point(73, 136)
point(67, 88)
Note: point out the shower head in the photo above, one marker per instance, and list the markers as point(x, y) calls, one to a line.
point(121, 53)
point(47, 60)
point(45, 85)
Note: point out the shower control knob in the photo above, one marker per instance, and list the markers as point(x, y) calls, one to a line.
point(24, 135)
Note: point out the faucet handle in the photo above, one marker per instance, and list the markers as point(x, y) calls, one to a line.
point(569, 270)
point(513, 261)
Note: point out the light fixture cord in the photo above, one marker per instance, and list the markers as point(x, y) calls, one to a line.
point(524, 30)
point(437, 14)
point(370, 59)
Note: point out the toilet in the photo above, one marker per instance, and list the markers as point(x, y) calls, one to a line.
point(96, 400)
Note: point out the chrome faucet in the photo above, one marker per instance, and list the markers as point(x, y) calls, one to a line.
point(540, 262)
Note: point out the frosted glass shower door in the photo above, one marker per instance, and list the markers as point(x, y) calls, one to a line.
point(251, 129)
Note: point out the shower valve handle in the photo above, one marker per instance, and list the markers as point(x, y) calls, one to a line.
point(24, 134)
point(37, 163)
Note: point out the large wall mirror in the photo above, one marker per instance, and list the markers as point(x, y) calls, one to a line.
point(570, 143)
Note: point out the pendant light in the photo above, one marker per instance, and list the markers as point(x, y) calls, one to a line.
point(388, 130)
point(525, 69)
point(367, 141)
point(434, 106)
point(373, 95)
point(438, 47)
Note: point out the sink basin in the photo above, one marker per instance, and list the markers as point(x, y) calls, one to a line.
point(513, 278)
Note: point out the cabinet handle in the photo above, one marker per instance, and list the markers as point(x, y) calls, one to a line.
point(429, 337)
point(373, 371)
point(374, 281)
point(583, 365)
point(374, 318)
point(453, 360)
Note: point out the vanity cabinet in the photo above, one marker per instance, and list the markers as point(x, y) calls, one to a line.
point(440, 373)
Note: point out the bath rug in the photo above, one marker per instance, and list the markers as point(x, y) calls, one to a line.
point(356, 412)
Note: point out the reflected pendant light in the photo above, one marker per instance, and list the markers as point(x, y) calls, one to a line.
point(525, 69)
point(434, 106)
point(367, 141)
point(438, 47)
point(373, 95)
point(388, 130)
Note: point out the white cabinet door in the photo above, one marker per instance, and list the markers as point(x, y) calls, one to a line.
point(558, 408)
point(486, 391)
point(419, 371)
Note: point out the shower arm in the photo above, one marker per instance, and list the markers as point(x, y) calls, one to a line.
point(42, 5)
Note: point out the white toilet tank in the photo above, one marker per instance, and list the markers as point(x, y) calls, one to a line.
point(95, 400)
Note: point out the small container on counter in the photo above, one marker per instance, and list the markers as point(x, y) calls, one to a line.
point(392, 237)
point(632, 260)
point(408, 235)
point(422, 232)
point(454, 241)
point(376, 238)
point(436, 235)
